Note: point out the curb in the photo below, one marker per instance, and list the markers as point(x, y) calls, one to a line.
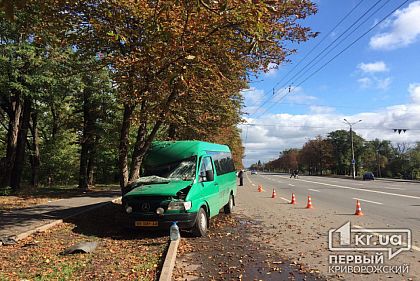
point(49, 225)
point(169, 263)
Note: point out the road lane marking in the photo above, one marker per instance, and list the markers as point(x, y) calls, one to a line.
point(358, 183)
point(291, 184)
point(394, 188)
point(253, 184)
point(284, 199)
point(365, 190)
point(414, 247)
point(363, 200)
point(314, 190)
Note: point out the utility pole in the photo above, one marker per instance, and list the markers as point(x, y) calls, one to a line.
point(353, 161)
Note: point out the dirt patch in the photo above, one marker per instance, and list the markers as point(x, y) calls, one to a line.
point(30, 197)
point(122, 254)
point(230, 253)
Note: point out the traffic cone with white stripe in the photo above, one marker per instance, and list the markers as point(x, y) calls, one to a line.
point(358, 209)
point(274, 195)
point(293, 199)
point(260, 189)
point(309, 205)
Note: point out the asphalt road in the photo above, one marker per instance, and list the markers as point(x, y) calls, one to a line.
point(385, 204)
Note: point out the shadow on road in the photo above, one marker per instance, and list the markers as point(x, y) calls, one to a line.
point(110, 222)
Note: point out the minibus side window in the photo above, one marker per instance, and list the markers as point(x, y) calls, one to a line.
point(206, 169)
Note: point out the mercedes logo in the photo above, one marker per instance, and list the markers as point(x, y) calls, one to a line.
point(145, 206)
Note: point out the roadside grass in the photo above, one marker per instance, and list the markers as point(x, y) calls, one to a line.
point(28, 197)
point(122, 254)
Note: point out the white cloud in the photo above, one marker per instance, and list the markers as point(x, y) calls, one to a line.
point(414, 90)
point(373, 67)
point(253, 99)
point(297, 95)
point(404, 29)
point(372, 75)
point(375, 83)
point(277, 132)
point(383, 84)
point(316, 109)
point(272, 69)
point(365, 82)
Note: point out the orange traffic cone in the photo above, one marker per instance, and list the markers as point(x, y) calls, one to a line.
point(260, 188)
point(358, 209)
point(309, 205)
point(273, 195)
point(293, 199)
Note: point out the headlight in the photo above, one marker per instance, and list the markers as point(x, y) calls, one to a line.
point(160, 211)
point(129, 209)
point(179, 205)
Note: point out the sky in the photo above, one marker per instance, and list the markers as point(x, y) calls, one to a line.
point(376, 80)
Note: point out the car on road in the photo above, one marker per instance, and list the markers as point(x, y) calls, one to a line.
point(254, 172)
point(368, 176)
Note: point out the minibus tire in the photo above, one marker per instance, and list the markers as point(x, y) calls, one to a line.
point(228, 208)
point(201, 223)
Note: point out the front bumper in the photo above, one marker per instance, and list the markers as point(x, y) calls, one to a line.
point(184, 220)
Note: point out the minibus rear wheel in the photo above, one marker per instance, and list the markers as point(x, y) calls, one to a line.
point(201, 223)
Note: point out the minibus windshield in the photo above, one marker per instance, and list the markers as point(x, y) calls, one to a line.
point(178, 170)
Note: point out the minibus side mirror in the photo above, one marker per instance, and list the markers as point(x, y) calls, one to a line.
point(202, 176)
point(210, 175)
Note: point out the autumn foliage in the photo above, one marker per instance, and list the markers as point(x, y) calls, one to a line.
point(177, 67)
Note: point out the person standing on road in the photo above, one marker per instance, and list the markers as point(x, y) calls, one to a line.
point(241, 177)
point(292, 174)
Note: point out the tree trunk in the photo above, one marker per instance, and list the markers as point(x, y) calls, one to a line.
point(92, 162)
point(21, 145)
point(91, 169)
point(137, 156)
point(54, 120)
point(87, 140)
point(123, 147)
point(143, 143)
point(171, 132)
point(83, 168)
point(12, 138)
point(35, 155)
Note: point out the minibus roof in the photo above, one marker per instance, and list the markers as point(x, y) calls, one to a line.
point(162, 152)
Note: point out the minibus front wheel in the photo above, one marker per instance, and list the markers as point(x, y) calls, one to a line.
point(228, 208)
point(201, 223)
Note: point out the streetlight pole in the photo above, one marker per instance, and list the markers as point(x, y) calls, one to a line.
point(353, 161)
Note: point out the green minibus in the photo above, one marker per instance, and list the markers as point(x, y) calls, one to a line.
point(184, 181)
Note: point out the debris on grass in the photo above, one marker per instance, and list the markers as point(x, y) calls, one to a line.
point(122, 254)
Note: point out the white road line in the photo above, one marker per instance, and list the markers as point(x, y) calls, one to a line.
point(365, 190)
point(358, 183)
point(314, 190)
point(394, 188)
point(253, 184)
point(363, 200)
point(284, 199)
point(291, 184)
point(414, 247)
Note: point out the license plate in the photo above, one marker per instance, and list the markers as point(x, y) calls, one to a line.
point(146, 223)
